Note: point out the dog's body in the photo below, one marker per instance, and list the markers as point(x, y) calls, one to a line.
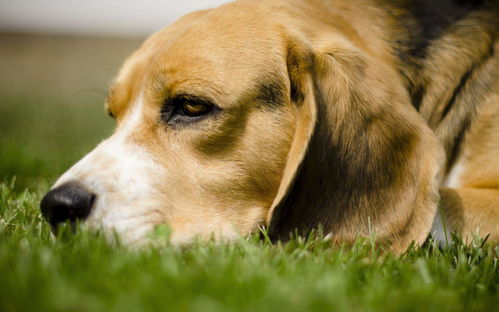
point(357, 116)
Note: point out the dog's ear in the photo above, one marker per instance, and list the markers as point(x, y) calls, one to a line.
point(302, 98)
point(362, 161)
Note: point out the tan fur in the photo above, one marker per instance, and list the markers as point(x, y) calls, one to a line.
point(344, 149)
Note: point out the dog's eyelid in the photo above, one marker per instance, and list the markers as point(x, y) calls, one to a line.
point(191, 98)
point(175, 110)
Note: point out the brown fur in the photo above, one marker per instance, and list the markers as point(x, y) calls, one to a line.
point(333, 115)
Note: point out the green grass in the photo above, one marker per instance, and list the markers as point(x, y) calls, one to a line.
point(42, 135)
point(84, 272)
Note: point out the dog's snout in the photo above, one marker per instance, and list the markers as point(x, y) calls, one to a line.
point(69, 202)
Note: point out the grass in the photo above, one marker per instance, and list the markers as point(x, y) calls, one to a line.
point(41, 135)
point(84, 272)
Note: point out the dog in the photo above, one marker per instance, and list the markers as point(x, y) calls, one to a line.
point(359, 117)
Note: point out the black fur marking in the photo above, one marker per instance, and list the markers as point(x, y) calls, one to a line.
point(417, 96)
point(457, 143)
point(271, 93)
point(433, 18)
point(467, 78)
point(462, 82)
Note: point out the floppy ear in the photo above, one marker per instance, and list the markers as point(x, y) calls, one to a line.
point(362, 161)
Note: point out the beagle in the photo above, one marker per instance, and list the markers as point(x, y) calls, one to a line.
point(362, 117)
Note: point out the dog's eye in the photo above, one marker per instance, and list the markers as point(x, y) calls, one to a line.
point(185, 109)
point(192, 109)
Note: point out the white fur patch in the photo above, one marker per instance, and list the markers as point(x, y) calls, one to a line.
point(122, 175)
point(453, 178)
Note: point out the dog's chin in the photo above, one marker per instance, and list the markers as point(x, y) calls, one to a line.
point(146, 227)
point(129, 225)
point(151, 235)
point(188, 236)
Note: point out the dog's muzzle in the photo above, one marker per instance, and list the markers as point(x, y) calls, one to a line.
point(69, 202)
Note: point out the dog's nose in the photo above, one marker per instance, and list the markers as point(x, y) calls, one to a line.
point(68, 202)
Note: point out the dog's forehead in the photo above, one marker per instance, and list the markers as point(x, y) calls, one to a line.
point(207, 51)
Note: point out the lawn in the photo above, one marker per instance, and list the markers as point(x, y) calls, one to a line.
point(49, 119)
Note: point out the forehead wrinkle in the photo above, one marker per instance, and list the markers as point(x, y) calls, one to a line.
point(183, 65)
point(167, 82)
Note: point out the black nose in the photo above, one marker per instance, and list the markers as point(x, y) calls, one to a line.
point(68, 202)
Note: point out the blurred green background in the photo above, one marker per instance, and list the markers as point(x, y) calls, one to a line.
point(52, 91)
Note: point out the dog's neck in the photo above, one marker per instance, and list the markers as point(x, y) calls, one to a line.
point(441, 44)
point(427, 27)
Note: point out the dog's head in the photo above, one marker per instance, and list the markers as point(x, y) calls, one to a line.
point(227, 120)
